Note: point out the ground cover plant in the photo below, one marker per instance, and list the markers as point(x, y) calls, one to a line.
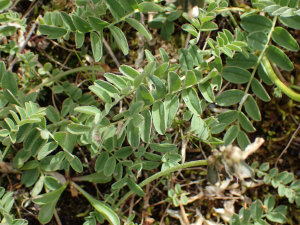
point(149, 112)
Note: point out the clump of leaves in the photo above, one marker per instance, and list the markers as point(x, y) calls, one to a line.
point(126, 143)
point(6, 204)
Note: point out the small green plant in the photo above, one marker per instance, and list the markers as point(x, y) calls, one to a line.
point(6, 204)
point(285, 182)
point(120, 122)
point(177, 196)
point(259, 212)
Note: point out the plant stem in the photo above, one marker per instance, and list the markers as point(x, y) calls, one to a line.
point(238, 9)
point(163, 173)
point(4, 153)
point(258, 61)
point(295, 87)
point(286, 90)
point(60, 75)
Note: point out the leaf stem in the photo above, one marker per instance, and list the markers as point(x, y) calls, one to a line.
point(160, 174)
point(286, 90)
point(4, 153)
point(237, 9)
point(258, 61)
point(60, 75)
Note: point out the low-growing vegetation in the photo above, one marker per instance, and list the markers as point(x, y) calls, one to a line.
point(149, 112)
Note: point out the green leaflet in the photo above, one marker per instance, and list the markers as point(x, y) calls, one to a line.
point(190, 78)
point(67, 20)
point(105, 210)
point(243, 140)
point(160, 88)
point(78, 129)
point(145, 129)
point(257, 40)
point(174, 82)
point(256, 209)
point(256, 23)
point(76, 164)
point(171, 106)
point(133, 135)
point(231, 135)
point(159, 117)
point(5, 4)
point(96, 43)
point(259, 90)
point(276, 217)
point(163, 147)
point(118, 81)
point(109, 166)
point(2, 69)
point(136, 107)
point(252, 109)
point(209, 26)
point(87, 110)
point(292, 21)
point(129, 5)
point(139, 27)
point(10, 87)
point(263, 74)
point(138, 120)
point(207, 91)
point(101, 160)
point(164, 55)
point(236, 75)
point(124, 152)
point(50, 196)
point(227, 117)
point(150, 7)
point(37, 145)
point(190, 28)
point(129, 72)
point(52, 114)
point(116, 9)
point(120, 38)
point(143, 94)
point(47, 211)
point(200, 128)
point(79, 39)
point(229, 97)
point(46, 150)
point(108, 88)
point(192, 100)
point(278, 57)
point(81, 25)
point(162, 69)
point(97, 24)
point(135, 188)
point(194, 51)
point(245, 123)
point(185, 60)
point(282, 37)
point(10, 30)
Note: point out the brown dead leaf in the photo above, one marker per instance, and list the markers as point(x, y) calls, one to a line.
point(103, 65)
point(252, 147)
point(74, 191)
point(6, 167)
point(150, 220)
